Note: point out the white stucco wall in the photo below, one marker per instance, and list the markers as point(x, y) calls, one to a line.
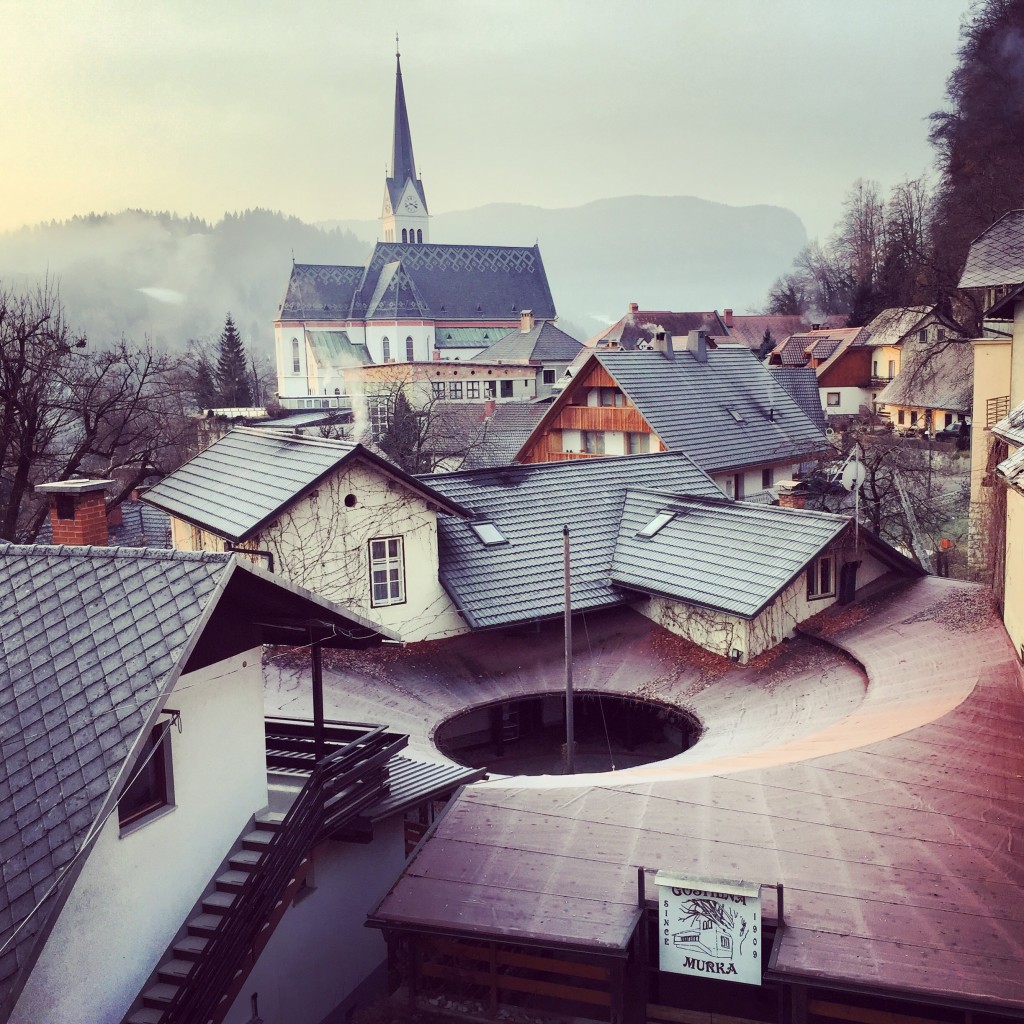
point(850, 401)
point(753, 479)
point(323, 545)
point(135, 890)
point(722, 633)
point(321, 951)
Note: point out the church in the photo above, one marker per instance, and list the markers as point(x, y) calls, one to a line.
point(413, 301)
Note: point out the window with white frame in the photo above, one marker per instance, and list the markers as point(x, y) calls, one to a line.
point(295, 355)
point(378, 409)
point(490, 389)
point(455, 389)
point(387, 572)
point(150, 788)
point(410, 350)
point(472, 389)
point(821, 577)
point(592, 441)
point(832, 398)
point(439, 389)
point(385, 350)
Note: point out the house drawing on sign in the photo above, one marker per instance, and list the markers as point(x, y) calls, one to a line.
point(330, 516)
point(840, 361)
point(995, 267)
point(719, 405)
point(162, 840)
point(413, 301)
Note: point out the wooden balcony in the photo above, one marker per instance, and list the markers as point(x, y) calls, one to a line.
point(601, 417)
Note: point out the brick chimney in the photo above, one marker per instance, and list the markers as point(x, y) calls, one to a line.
point(789, 497)
point(526, 321)
point(634, 308)
point(78, 513)
point(727, 317)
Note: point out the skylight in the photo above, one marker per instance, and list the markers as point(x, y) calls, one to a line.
point(488, 533)
point(662, 519)
point(738, 417)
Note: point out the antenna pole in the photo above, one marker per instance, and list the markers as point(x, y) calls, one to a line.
point(570, 742)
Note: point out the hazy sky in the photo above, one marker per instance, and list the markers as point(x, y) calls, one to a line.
point(200, 107)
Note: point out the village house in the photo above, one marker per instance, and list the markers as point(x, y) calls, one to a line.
point(719, 405)
point(840, 360)
point(995, 264)
point(446, 553)
point(639, 328)
point(891, 329)
point(169, 853)
point(541, 345)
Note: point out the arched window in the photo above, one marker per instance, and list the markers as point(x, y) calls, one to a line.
point(419, 235)
point(404, 233)
point(295, 355)
point(410, 350)
point(385, 347)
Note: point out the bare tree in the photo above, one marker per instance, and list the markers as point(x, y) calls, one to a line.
point(66, 409)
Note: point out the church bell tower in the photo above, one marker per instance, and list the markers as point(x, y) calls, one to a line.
point(404, 217)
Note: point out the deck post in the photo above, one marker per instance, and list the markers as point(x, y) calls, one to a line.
point(319, 744)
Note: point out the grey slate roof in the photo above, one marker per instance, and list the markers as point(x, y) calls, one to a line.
point(439, 282)
point(1011, 430)
point(721, 554)
point(801, 382)
point(248, 477)
point(996, 256)
point(522, 580)
point(88, 640)
point(141, 526)
point(403, 164)
point(505, 432)
point(939, 375)
point(544, 343)
point(690, 406)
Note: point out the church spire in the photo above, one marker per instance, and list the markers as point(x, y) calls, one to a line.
point(404, 217)
point(403, 166)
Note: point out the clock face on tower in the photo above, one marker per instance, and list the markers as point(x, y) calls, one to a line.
point(410, 203)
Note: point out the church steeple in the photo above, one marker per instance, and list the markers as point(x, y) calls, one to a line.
point(404, 216)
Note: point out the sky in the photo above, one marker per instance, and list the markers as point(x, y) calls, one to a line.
point(206, 108)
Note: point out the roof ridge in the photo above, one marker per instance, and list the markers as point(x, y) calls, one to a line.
point(116, 551)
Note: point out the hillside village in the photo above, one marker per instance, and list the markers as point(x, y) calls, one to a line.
point(672, 675)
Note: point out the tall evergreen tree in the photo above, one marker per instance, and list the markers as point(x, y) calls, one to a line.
point(204, 386)
point(232, 374)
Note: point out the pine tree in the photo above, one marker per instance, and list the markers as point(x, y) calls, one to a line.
point(204, 386)
point(232, 374)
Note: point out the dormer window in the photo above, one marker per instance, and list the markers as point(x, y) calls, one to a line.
point(488, 533)
point(658, 523)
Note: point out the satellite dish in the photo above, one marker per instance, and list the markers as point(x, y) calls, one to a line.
point(853, 476)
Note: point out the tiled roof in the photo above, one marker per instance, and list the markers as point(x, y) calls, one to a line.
point(248, 477)
point(1011, 427)
point(939, 375)
point(725, 413)
point(335, 348)
point(545, 343)
point(720, 554)
point(522, 580)
point(802, 384)
point(88, 640)
point(646, 323)
point(320, 292)
point(467, 337)
point(996, 256)
point(505, 433)
point(749, 330)
point(892, 325)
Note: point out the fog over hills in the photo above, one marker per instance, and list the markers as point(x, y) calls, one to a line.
point(171, 278)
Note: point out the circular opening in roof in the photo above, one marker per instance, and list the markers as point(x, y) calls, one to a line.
point(526, 735)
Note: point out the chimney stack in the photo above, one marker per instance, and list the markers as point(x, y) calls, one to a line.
point(663, 344)
point(697, 345)
point(634, 308)
point(526, 321)
point(789, 494)
point(727, 316)
point(78, 512)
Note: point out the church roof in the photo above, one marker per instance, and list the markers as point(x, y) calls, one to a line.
point(436, 282)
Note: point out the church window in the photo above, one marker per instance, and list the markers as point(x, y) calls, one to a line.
point(410, 351)
point(419, 235)
point(385, 348)
point(295, 355)
point(405, 235)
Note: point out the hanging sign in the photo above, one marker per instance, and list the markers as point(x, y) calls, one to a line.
point(710, 929)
